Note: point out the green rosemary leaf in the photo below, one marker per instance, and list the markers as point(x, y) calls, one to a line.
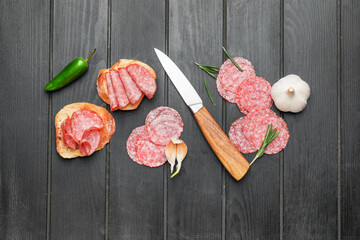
point(231, 59)
point(274, 136)
point(208, 69)
point(212, 75)
point(212, 69)
point(270, 135)
point(208, 92)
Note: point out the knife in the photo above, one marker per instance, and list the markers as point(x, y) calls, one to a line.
point(226, 152)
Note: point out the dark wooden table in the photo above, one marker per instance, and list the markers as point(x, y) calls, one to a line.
point(310, 190)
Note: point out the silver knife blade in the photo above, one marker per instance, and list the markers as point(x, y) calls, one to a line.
point(182, 84)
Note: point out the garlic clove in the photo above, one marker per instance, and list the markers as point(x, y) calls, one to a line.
point(170, 153)
point(178, 167)
point(181, 152)
point(176, 141)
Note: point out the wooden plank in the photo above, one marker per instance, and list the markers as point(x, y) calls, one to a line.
point(136, 192)
point(252, 205)
point(24, 118)
point(310, 159)
point(78, 185)
point(350, 120)
point(194, 196)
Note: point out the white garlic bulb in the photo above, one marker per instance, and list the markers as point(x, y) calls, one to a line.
point(290, 93)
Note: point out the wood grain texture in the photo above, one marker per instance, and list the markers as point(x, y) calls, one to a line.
point(145, 203)
point(310, 159)
point(78, 185)
point(136, 192)
point(194, 195)
point(24, 53)
point(350, 120)
point(228, 155)
point(252, 204)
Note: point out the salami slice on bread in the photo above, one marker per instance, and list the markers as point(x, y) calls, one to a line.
point(66, 112)
point(102, 86)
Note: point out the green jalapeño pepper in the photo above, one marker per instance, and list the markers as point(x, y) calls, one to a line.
point(69, 74)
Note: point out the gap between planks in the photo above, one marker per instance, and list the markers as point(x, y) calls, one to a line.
point(107, 154)
point(50, 120)
point(281, 156)
point(166, 103)
point(338, 37)
point(223, 119)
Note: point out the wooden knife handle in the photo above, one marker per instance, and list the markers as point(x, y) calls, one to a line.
point(229, 156)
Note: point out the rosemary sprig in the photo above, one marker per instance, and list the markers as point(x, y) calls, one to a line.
point(270, 135)
point(208, 92)
point(231, 59)
point(208, 69)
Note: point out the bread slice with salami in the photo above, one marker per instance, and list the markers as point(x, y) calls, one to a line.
point(82, 128)
point(125, 84)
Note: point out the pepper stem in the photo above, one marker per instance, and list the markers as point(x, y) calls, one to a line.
point(86, 60)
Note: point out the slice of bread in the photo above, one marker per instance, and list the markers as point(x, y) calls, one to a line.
point(122, 63)
point(67, 111)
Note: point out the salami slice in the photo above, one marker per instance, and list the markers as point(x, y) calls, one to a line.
point(260, 111)
point(227, 95)
point(119, 89)
point(237, 137)
point(111, 93)
point(84, 120)
point(89, 142)
point(131, 141)
point(132, 91)
point(143, 79)
point(67, 136)
point(254, 92)
point(163, 124)
point(249, 122)
point(148, 153)
point(279, 142)
point(230, 76)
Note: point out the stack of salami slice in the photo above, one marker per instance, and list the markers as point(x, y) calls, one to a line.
point(252, 95)
point(146, 144)
point(128, 85)
point(230, 77)
point(244, 88)
point(82, 131)
point(247, 133)
point(124, 85)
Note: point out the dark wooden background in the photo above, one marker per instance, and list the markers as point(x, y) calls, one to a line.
point(311, 190)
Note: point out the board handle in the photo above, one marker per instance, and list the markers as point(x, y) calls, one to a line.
point(229, 156)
